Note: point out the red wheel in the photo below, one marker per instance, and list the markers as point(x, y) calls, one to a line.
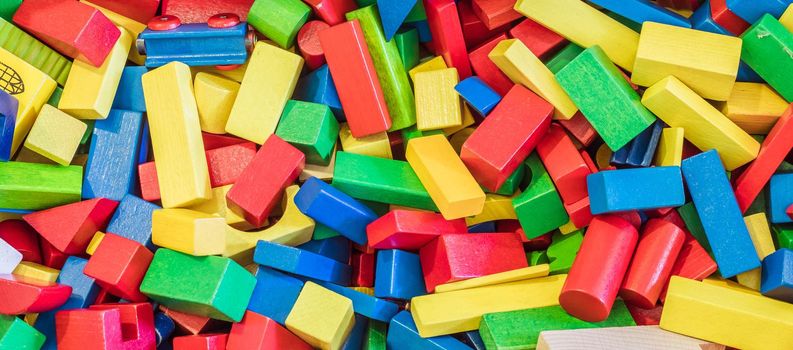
point(228, 67)
point(166, 22)
point(223, 20)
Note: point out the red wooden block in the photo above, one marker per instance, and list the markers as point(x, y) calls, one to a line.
point(214, 341)
point(541, 41)
point(23, 238)
point(646, 317)
point(362, 269)
point(724, 17)
point(631, 217)
point(137, 324)
point(332, 11)
point(104, 297)
point(773, 151)
point(453, 258)
point(149, 185)
point(598, 269)
point(69, 228)
point(580, 128)
point(506, 137)
point(226, 164)
point(495, 13)
point(188, 323)
point(258, 332)
point(579, 212)
point(588, 161)
point(199, 11)
point(51, 256)
point(474, 30)
point(308, 43)
point(685, 4)
point(564, 164)
point(355, 78)
point(447, 35)
point(20, 295)
point(486, 70)
point(139, 10)
point(261, 185)
point(693, 262)
point(118, 265)
point(410, 229)
point(73, 28)
point(89, 330)
point(212, 141)
point(652, 264)
point(790, 211)
point(537, 243)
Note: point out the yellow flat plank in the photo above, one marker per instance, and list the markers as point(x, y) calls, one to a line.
point(754, 107)
point(449, 183)
point(376, 145)
point(268, 83)
point(497, 207)
point(461, 311)
point(435, 63)
point(176, 136)
point(55, 135)
point(132, 26)
point(188, 231)
point(670, 147)
point(214, 97)
point(620, 338)
point(585, 26)
point(763, 243)
point(437, 103)
point(37, 271)
point(321, 317)
point(523, 67)
point(89, 91)
point(525, 273)
point(726, 316)
point(787, 18)
point(705, 127)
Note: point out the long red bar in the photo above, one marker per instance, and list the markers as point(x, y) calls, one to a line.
point(447, 35)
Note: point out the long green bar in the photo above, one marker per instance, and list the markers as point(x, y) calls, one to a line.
point(767, 48)
point(34, 186)
point(34, 52)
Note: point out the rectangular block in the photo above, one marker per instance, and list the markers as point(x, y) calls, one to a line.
point(134, 27)
point(34, 186)
point(30, 50)
point(621, 338)
point(754, 107)
point(321, 317)
point(515, 275)
point(765, 48)
point(670, 147)
point(110, 170)
point(635, 189)
point(564, 164)
point(437, 103)
point(447, 34)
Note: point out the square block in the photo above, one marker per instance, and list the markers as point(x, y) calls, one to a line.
point(311, 128)
point(321, 317)
point(55, 135)
point(118, 265)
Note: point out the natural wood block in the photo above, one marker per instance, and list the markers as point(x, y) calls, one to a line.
point(437, 103)
point(321, 317)
point(754, 107)
point(621, 338)
point(214, 97)
point(670, 147)
point(55, 135)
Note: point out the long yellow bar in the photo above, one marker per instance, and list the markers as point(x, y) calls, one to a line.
point(188, 231)
point(525, 273)
point(670, 147)
point(679, 106)
point(726, 316)
point(176, 136)
point(36, 271)
point(763, 244)
point(460, 311)
point(437, 103)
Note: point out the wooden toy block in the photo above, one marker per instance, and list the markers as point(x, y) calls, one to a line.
point(562, 251)
point(448, 182)
point(123, 276)
point(410, 229)
point(478, 95)
point(589, 295)
point(488, 71)
point(670, 147)
point(724, 17)
point(335, 209)
point(496, 208)
point(283, 27)
point(137, 324)
point(777, 281)
point(89, 329)
point(363, 270)
point(132, 26)
point(69, 227)
point(780, 198)
point(447, 34)
point(510, 187)
point(8, 9)
point(375, 336)
point(356, 337)
point(275, 294)
point(404, 335)
point(704, 125)
point(9, 258)
point(622, 338)
point(218, 206)
point(563, 57)
point(641, 11)
point(393, 14)
point(55, 135)
point(523, 67)
point(30, 295)
point(22, 238)
point(188, 231)
point(33, 186)
point(322, 172)
point(9, 106)
point(428, 65)
point(764, 47)
point(30, 50)
point(693, 224)
point(141, 10)
point(539, 40)
point(520, 121)
point(226, 164)
point(515, 275)
point(398, 275)
point(115, 143)
point(640, 151)
point(495, 13)
point(437, 102)
point(311, 128)
point(318, 87)
point(215, 97)
point(539, 208)
point(353, 69)
point(337, 248)
point(564, 164)
point(475, 31)
point(132, 219)
point(754, 107)
point(259, 332)
point(301, 262)
point(407, 42)
point(308, 43)
point(188, 323)
point(164, 327)
point(16, 334)
point(197, 44)
point(332, 11)
point(719, 214)
point(36, 271)
point(321, 317)
point(212, 341)
point(751, 12)
point(635, 189)
point(590, 79)
point(701, 310)
point(149, 185)
point(375, 145)
point(366, 305)
point(197, 11)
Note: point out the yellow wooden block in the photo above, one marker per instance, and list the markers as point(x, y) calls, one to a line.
point(376, 145)
point(31, 318)
point(497, 207)
point(670, 147)
point(324, 172)
point(458, 139)
point(620, 338)
point(188, 231)
point(435, 63)
point(525, 273)
point(268, 83)
point(763, 244)
point(705, 62)
point(37, 271)
point(725, 316)
point(321, 317)
point(585, 26)
point(754, 107)
point(449, 183)
point(214, 97)
point(705, 127)
point(89, 91)
point(568, 228)
point(94, 243)
point(55, 135)
point(235, 74)
point(787, 18)
point(364, 290)
point(132, 26)
point(31, 87)
point(461, 311)
point(723, 283)
point(217, 205)
point(437, 103)
point(176, 136)
point(603, 156)
point(523, 67)
point(468, 120)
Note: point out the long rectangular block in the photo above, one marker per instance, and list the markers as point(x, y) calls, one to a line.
point(301, 262)
point(641, 11)
point(621, 338)
point(30, 50)
point(754, 107)
point(437, 103)
point(670, 147)
point(35, 186)
point(447, 34)
point(765, 48)
point(635, 189)
point(110, 170)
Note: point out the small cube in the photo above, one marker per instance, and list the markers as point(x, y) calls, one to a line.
point(777, 275)
point(321, 317)
point(478, 95)
point(311, 128)
point(55, 135)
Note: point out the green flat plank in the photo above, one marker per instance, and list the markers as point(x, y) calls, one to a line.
point(32, 51)
point(767, 47)
point(539, 208)
point(34, 186)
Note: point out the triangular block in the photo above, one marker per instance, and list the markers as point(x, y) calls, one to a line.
point(69, 227)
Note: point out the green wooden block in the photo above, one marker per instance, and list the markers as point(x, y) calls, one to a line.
point(767, 48)
point(413, 132)
point(521, 329)
point(563, 57)
point(279, 20)
point(8, 8)
point(29, 49)
point(88, 131)
point(209, 286)
point(537, 257)
point(55, 98)
point(605, 98)
point(539, 208)
point(690, 216)
point(417, 13)
point(562, 251)
point(322, 232)
point(375, 338)
point(16, 334)
point(513, 182)
point(311, 128)
point(379, 179)
point(784, 235)
point(407, 42)
point(35, 186)
point(389, 68)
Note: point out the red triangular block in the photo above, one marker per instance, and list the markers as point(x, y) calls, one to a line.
point(69, 228)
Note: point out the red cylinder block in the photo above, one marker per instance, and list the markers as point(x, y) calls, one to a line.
point(652, 264)
point(598, 269)
point(308, 43)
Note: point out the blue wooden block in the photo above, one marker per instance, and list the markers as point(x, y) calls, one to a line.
point(425, 34)
point(398, 275)
point(403, 335)
point(318, 87)
point(484, 227)
point(355, 339)
point(275, 294)
point(777, 275)
point(196, 44)
point(110, 170)
point(337, 248)
point(641, 11)
point(478, 95)
point(145, 143)
point(747, 74)
point(129, 95)
point(163, 327)
point(132, 220)
point(780, 198)
point(15, 211)
point(472, 339)
point(635, 189)
point(335, 209)
point(718, 211)
point(301, 262)
point(366, 305)
point(641, 150)
point(752, 10)
point(8, 117)
point(393, 14)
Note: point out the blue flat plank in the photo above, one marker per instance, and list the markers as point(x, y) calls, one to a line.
point(301, 262)
point(335, 209)
point(110, 169)
point(635, 189)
